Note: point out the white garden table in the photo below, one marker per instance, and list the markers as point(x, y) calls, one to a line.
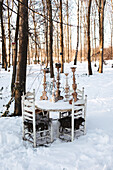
point(59, 106)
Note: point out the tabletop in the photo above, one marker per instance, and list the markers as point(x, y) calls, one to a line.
point(59, 106)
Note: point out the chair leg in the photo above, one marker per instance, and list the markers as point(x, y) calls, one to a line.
point(58, 125)
point(34, 132)
point(23, 128)
point(85, 114)
point(23, 136)
point(51, 132)
point(72, 123)
point(85, 127)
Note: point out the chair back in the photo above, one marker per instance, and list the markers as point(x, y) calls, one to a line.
point(28, 113)
point(28, 105)
point(80, 93)
point(78, 114)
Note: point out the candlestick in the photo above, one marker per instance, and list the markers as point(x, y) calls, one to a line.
point(74, 86)
point(44, 93)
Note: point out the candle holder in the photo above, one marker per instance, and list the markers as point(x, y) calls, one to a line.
point(53, 99)
point(44, 93)
point(67, 88)
point(74, 86)
point(58, 97)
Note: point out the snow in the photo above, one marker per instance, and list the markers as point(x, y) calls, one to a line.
point(93, 151)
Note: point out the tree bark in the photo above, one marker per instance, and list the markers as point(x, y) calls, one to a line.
point(15, 51)
point(57, 43)
point(89, 46)
point(112, 31)
point(46, 30)
point(22, 59)
point(9, 32)
point(4, 55)
point(68, 32)
point(95, 37)
point(61, 38)
point(76, 54)
point(101, 33)
point(81, 31)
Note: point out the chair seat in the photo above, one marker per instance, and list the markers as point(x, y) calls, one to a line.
point(65, 122)
point(40, 125)
point(38, 111)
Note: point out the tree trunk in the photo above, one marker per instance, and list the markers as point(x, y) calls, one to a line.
point(95, 37)
point(70, 44)
point(61, 39)
point(35, 34)
point(112, 31)
point(76, 54)
point(50, 37)
point(15, 51)
point(9, 32)
point(68, 33)
point(46, 30)
point(85, 31)
point(81, 31)
point(57, 43)
point(89, 46)
point(4, 55)
point(101, 33)
point(22, 59)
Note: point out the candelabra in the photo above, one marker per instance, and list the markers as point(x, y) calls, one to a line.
point(74, 86)
point(44, 93)
point(66, 88)
point(58, 97)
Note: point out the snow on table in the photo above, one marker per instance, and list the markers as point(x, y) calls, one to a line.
point(60, 105)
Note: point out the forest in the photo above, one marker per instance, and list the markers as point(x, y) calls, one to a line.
point(56, 71)
point(47, 32)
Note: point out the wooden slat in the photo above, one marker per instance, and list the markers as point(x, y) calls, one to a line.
point(29, 94)
point(79, 102)
point(46, 136)
point(27, 103)
point(25, 117)
point(27, 114)
point(78, 107)
point(79, 112)
point(30, 98)
point(29, 109)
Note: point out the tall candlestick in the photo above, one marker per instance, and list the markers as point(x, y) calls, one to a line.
point(74, 86)
point(44, 93)
point(66, 88)
point(58, 66)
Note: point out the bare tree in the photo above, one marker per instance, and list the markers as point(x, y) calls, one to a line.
point(89, 46)
point(15, 50)
point(81, 14)
point(46, 29)
point(4, 55)
point(76, 54)
point(61, 38)
point(67, 31)
point(101, 7)
point(9, 31)
point(50, 31)
point(112, 30)
point(22, 59)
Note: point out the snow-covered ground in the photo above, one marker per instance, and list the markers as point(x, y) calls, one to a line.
point(94, 151)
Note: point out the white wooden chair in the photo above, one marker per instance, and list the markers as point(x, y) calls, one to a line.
point(37, 127)
point(80, 93)
point(80, 96)
point(75, 122)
